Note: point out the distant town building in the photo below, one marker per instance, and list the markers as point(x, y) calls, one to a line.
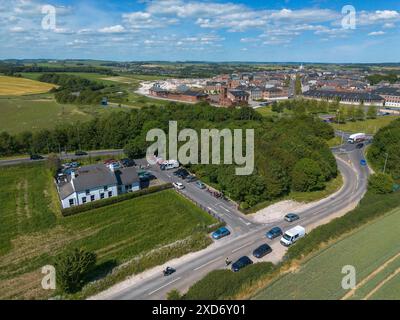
point(366, 98)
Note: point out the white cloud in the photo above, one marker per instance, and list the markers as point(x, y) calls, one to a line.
point(113, 29)
point(376, 33)
point(379, 16)
point(17, 30)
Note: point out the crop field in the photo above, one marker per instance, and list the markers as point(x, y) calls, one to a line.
point(12, 86)
point(32, 113)
point(32, 232)
point(374, 252)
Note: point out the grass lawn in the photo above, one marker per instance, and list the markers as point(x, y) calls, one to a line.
point(13, 86)
point(370, 126)
point(374, 252)
point(32, 232)
point(41, 112)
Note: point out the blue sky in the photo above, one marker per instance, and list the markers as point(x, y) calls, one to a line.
point(212, 30)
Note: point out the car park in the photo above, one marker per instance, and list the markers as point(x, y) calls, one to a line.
point(241, 263)
point(274, 233)
point(178, 185)
point(262, 251)
point(290, 217)
point(221, 233)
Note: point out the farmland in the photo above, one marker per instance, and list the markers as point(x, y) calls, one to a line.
point(32, 232)
point(41, 112)
point(372, 250)
point(11, 86)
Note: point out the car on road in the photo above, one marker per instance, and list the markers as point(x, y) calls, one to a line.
point(262, 251)
point(274, 233)
point(36, 157)
point(200, 185)
point(191, 179)
point(290, 217)
point(221, 233)
point(360, 146)
point(241, 263)
point(363, 162)
point(80, 153)
point(178, 185)
point(168, 271)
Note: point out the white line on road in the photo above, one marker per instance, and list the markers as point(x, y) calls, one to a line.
point(206, 264)
point(224, 208)
point(244, 246)
point(165, 285)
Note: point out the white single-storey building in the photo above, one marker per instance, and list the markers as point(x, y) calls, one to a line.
point(96, 182)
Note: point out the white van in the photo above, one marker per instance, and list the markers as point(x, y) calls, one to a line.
point(292, 235)
point(168, 165)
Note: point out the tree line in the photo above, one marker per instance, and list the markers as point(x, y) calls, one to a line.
point(290, 154)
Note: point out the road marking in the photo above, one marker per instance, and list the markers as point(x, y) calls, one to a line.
point(206, 264)
point(165, 285)
point(244, 246)
point(224, 208)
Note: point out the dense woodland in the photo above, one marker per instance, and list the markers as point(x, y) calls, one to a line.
point(386, 149)
point(291, 153)
point(78, 90)
point(376, 78)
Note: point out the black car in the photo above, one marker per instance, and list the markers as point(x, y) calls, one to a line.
point(36, 157)
point(360, 146)
point(80, 153)
point(168, 271)
point(241, 263)
point(274, 233)
point(262, 251)
point(191, 179)
point(128, 162)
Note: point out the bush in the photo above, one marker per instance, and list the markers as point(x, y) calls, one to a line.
point(109, 201)
point(174, 295)
point(71, 269)
point(381, 183)
point(224, 284)
point(307, 176)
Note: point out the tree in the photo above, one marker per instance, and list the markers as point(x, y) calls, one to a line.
point(381, 183)
point(307, 176)
point(71, 269)
point(359, 113)
point(136, 148)
point(351, 112)
point(372, 112)
point(53, 163)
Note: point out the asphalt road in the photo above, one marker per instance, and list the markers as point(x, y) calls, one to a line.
point(64, 156)
point(245, 237)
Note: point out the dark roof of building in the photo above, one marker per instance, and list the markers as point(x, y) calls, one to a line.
point(92, 176)
point(388, 91)
point(65, 190)
point(366, 96)
point(238, 93)
point(194, 93)
point(127, 176)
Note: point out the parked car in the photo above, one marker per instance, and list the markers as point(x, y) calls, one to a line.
point(241, 263)
point(36, 157)
point(128, 162)
point(262, 251)
point(200, 185)
point(292, 235)
point(80, 153)
point(274, 233)
point(290, 217)
point(178, 185)
point(221, 233)
point(191, 179)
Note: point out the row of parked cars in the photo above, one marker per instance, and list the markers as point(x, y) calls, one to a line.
point(288, 238)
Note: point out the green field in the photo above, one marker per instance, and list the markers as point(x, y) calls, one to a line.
point(36, 112)
point(370, 126)
point(32, 231)
point(373, 250)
